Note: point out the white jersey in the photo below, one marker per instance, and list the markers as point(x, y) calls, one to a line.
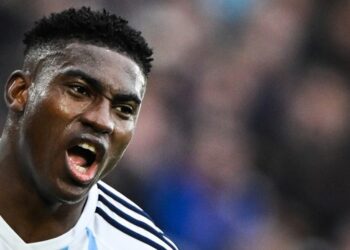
point(109, 221)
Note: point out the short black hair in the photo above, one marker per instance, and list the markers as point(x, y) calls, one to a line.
point(93, 27)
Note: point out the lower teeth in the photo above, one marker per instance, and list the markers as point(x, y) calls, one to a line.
point(81, 169)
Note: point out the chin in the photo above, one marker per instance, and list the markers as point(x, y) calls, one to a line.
point(66, 194)
point(72, 198)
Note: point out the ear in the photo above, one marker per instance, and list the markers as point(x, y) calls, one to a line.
point(16, 91)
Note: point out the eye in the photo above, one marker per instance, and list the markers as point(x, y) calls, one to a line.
point(125, 110)
point(79, 90)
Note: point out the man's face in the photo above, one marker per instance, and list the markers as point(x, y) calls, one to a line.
point(79, 118)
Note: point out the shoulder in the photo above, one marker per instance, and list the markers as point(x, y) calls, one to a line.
point(126, 221)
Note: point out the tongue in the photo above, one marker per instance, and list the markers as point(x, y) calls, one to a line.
point(77, 160)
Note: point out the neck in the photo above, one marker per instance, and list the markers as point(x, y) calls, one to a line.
point(31, 216)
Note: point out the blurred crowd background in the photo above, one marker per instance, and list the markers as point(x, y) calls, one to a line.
point(244, 137)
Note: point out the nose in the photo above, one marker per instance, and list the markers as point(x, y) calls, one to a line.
point(98, 117)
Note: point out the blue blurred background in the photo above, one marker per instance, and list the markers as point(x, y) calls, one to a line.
point(243, 141)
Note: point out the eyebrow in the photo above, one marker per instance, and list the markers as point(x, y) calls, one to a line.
point(121, 96)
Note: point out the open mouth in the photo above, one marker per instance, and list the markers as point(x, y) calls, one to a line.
point(82, 155)
point(82, 162)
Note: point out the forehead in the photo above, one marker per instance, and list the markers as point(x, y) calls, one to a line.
point(103, 64)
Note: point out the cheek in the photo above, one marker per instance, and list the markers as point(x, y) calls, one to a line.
point(64, 106)
point(53, 104)
point(42, 121)
point(46, 119)
point(120, 141)
point(122, 136)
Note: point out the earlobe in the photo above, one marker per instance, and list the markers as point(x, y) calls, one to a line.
point(16, 91)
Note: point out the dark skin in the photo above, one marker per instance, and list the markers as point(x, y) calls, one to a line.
point(88, 94)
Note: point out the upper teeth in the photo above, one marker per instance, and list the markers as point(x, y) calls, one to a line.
point(88, 147)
